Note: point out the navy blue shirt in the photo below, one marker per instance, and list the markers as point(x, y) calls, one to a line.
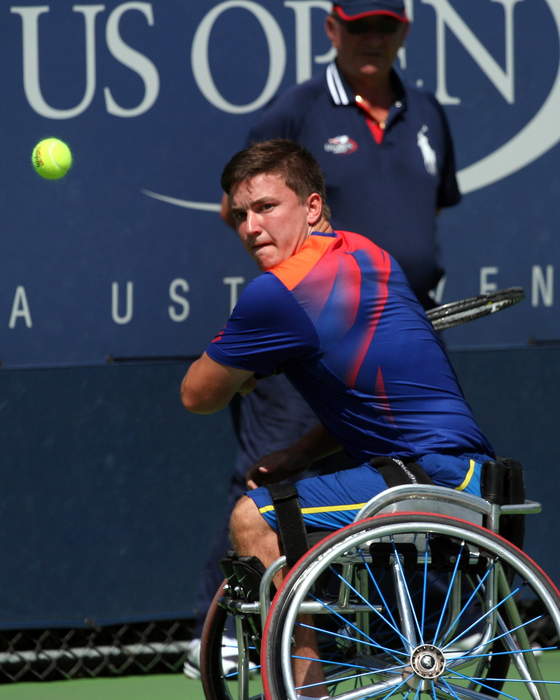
point(388, 191)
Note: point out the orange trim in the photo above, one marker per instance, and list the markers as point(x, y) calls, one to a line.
point(291, 271)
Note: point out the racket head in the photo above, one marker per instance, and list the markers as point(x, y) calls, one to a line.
point(456, 313)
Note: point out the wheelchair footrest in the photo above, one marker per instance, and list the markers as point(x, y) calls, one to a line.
point(244, 576)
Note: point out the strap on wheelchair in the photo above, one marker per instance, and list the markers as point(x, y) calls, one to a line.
point(291, 528)
point(396, 472)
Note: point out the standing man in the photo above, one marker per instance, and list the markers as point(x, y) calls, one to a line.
point(384, 147)
point(334, 312)
point(387, 156)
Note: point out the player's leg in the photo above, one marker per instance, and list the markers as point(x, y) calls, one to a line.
point(327, 502)
point(251, 535)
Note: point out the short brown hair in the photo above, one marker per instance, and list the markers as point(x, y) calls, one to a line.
point(283, 157)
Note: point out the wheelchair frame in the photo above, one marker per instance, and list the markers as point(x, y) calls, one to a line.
point(402, 525)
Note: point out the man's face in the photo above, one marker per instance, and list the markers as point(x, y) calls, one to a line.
point(368, 46)
point(269, 218)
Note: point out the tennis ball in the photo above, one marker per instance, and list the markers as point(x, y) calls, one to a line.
point(51, 158)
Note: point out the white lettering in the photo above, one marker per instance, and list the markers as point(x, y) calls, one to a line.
point(234, 283)
point(276, 53)
point(20, 309)
point(129, 305)
point(133, 60)
point(447, 16)
point(30, 48)
point(302, 12)
point(176, 314)
point(486, 285)
point(542, 287)
point(437, 293)
point(409, 9)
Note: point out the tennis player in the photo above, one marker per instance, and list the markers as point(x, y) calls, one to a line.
point(334, 312)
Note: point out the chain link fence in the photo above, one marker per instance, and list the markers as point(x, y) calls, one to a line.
point(129, 649)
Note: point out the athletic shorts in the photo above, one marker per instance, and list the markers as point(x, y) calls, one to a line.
point(331, 501)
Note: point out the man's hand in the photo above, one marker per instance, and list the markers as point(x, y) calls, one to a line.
point(278, 466)
point(282, 464)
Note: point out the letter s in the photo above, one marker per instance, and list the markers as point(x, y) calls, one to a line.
point(133, 59)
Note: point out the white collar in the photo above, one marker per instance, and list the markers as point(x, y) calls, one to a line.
point(336, 86)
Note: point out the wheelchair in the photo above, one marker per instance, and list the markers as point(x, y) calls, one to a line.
point(422, 594)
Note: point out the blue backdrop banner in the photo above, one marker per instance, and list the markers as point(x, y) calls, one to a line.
point(127, 256)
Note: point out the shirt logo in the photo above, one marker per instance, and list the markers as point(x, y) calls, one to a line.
point(428, 153)
point(341, 145)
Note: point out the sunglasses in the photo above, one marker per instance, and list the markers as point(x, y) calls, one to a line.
point(378, 25)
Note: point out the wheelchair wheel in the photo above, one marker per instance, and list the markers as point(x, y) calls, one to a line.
point(411, 603)
point(221, 683)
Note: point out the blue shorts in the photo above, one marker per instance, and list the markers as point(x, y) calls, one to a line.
point(331, 501)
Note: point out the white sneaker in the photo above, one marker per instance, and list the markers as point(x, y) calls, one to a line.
point(230, 652)
point(191, 667)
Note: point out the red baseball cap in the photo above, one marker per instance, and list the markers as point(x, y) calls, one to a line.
point(349, 10)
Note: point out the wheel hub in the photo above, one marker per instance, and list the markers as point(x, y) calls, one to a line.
point(427, 661)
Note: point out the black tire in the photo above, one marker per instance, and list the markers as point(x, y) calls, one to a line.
point(211, 675)
point(215, 684)
point(490, 549)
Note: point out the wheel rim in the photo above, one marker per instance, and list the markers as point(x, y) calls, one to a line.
point(402, 677)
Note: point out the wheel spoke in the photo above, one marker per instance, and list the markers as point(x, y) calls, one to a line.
point(424, 590)
point(448, 593)
point(467, 604)
point(374, 609)
point(480, 681)
point(328, 607)
point(482, 617)
point(408, 596)
point(372, 644)
point(379, 592)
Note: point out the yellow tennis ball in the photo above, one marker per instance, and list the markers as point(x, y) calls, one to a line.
point(51, 158)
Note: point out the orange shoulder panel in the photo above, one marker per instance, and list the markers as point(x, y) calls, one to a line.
point(291, 271)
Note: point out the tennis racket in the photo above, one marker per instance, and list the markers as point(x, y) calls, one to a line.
point(457, 312)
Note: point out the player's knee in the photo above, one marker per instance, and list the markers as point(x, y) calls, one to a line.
point(246, 524)
point(241, 517)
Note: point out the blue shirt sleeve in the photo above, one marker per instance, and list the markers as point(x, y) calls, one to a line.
point(266, 329)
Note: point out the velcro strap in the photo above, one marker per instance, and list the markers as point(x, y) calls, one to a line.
point(291, 528)
point(396, 472)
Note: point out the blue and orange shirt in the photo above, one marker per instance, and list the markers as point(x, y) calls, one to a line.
point(340, 319)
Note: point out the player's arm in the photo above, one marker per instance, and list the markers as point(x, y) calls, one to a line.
point(209, 386)
point(316, 444)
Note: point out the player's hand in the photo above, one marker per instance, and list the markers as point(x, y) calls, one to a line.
point(247, 386)
point(277, 466)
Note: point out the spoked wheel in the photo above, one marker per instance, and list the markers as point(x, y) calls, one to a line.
point(224, 680)
point(409, 604)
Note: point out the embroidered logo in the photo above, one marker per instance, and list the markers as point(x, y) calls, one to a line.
point(341, 145)
point(428, 153)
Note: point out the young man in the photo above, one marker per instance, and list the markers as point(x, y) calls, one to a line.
point(387, 156)
point(334, 312)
